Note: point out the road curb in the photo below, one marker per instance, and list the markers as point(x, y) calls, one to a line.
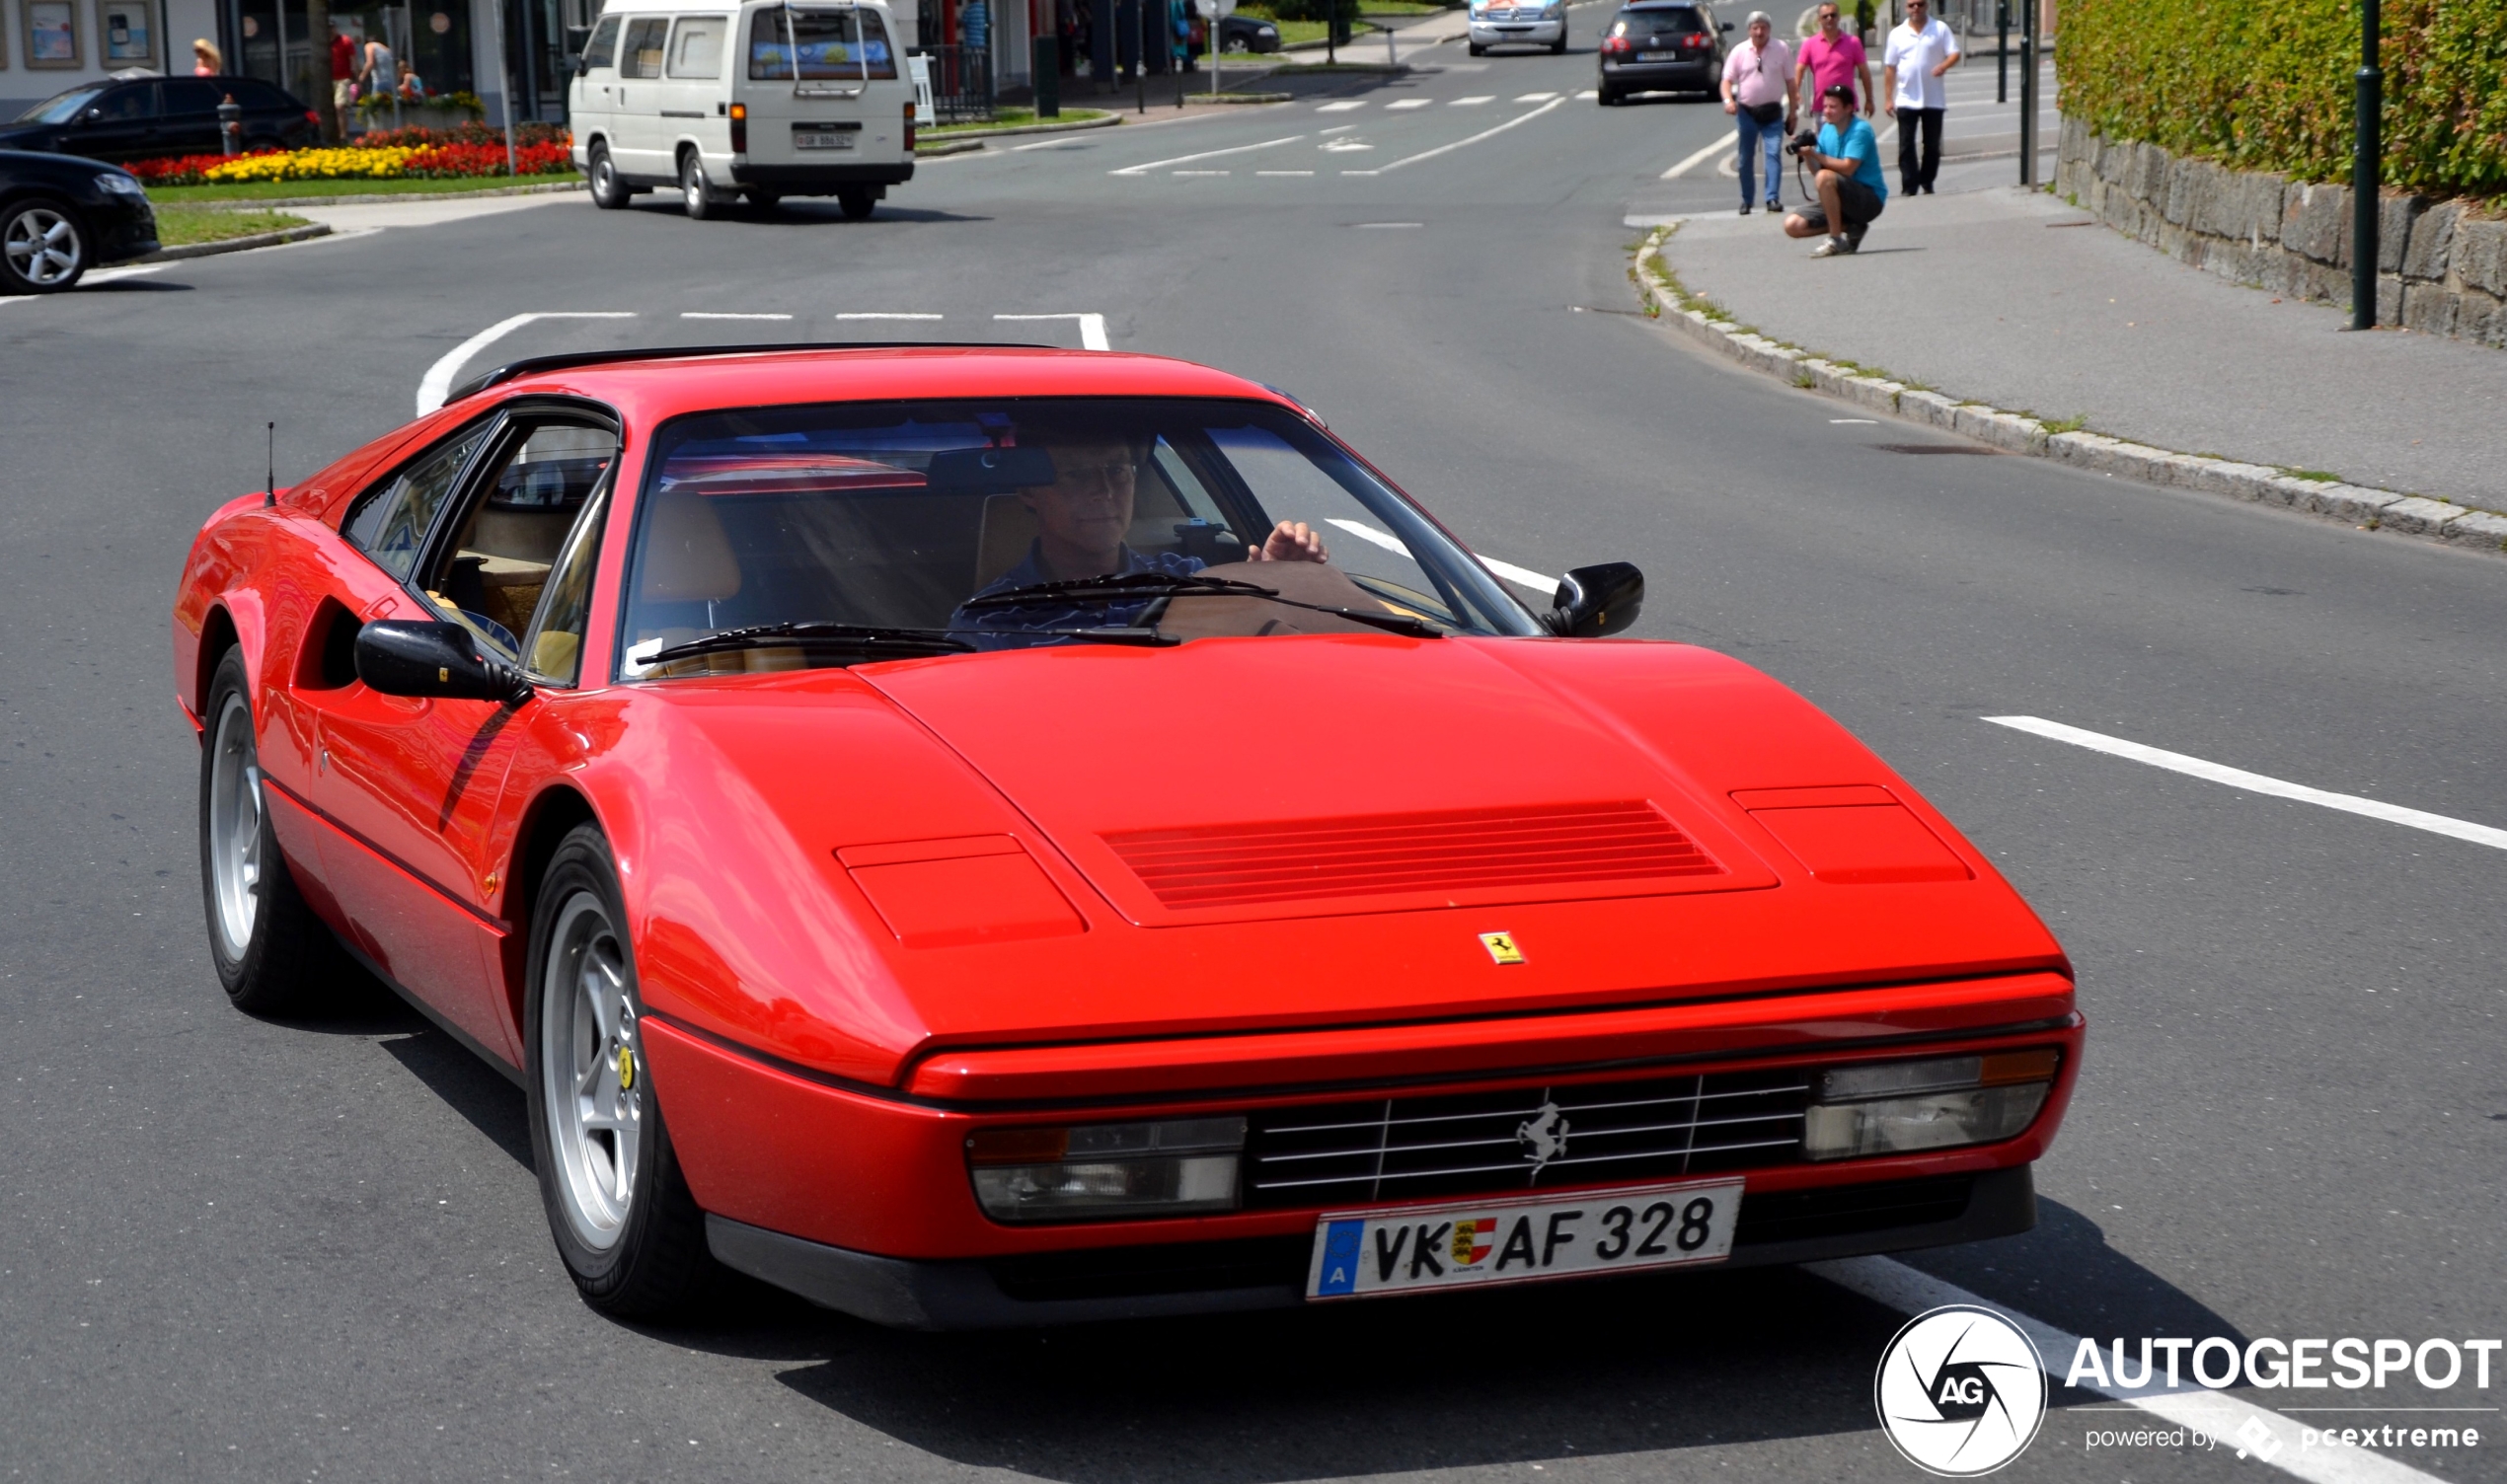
point(2359, 506)
point(375, 197)
point(239, 243)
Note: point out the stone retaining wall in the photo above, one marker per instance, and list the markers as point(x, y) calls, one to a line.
point(2441, 268)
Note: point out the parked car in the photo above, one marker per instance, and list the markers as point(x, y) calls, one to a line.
point(732, 748)
point(764, 101)
point(1661, 48)
point(1239, 32)
point(158, 117)
point(1517, 23)
point(60, 215)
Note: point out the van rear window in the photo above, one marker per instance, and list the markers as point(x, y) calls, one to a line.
point(806, 46)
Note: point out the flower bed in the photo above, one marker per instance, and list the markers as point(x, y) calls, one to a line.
point(414, 160)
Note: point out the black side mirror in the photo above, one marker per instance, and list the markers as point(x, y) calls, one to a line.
point(1726, 26)
point(1594, 601)
point(92, 116)
point(399, 657)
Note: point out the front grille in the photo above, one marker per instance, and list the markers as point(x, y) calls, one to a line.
point(1406, 1148)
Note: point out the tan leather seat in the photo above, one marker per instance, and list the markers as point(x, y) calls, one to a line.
point(1001, 543)
point(687, 556)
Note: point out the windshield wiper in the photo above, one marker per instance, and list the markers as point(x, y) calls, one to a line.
point(1163, 585)
point(870, 639)
point(1116, 588)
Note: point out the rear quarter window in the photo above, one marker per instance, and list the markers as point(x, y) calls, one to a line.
point(819, 45)
point(258, 95)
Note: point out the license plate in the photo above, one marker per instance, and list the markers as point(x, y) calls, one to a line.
point(818, 139)
point(1405, 1250)
point(1658, 57)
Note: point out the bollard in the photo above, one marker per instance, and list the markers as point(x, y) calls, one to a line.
point(2365, 173)
point(230, 125)
point(1048, 78)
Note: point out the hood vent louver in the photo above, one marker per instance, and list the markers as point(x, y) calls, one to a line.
point(1390, 854)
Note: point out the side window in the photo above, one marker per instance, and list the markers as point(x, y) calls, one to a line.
point(696, 48)
point(493, 572)
point(258, 95)
point(129, 103)
point(555, 648)
point(641, 56)
point(602, 49)
point(189, 97)
point(391, 520)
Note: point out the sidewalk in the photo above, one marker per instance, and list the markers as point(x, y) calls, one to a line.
point(2014, 299)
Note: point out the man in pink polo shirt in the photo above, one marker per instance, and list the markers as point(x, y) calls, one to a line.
point(1834, 59)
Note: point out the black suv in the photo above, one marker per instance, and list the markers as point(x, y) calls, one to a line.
point(159, 116)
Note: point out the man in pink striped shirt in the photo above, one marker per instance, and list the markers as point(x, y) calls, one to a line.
point(1758, 91)
point(1832, 58)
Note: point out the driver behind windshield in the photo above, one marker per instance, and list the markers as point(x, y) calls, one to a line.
point(1081, 521)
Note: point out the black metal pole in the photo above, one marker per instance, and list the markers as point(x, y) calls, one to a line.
point(2002, 52)
point(1140, 54)
point(2029, 93)
point(1331, 32)
point(2365, 174)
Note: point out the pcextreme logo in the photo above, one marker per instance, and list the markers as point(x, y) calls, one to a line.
point(1960, 1391)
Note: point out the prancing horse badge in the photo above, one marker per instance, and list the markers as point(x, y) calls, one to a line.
point(1501, 947)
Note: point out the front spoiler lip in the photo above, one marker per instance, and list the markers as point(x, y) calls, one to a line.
point(963, 1294)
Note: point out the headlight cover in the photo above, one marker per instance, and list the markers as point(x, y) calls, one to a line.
point(1945, 1102)
point(1106, 1171)
point(115, 183)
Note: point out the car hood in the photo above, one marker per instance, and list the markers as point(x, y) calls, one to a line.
point(1099, 843)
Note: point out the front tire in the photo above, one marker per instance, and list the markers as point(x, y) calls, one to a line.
point(693, 188)
point(43, 247)
point(1477, 49)
point(608, 192)
point(629, 1233)
point(1558, 46)
point(858, 202)
point(274, 956)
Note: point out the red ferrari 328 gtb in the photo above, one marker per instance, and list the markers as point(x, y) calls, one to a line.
point(985, 836)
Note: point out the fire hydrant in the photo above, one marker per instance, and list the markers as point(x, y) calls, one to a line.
point(230, 125)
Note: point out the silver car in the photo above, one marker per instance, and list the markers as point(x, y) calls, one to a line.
point(1518, 23)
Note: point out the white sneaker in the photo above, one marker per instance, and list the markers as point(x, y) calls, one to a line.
point(1831, 248)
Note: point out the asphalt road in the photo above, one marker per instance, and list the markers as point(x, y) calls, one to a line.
point(240, 1250)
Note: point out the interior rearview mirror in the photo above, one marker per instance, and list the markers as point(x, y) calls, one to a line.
point(1596, 600)
point(401, 657)
point(988, 471)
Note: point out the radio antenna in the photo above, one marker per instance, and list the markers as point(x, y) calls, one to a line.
point(270, 496)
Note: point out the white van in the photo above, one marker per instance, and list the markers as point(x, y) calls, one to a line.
point(763, 99)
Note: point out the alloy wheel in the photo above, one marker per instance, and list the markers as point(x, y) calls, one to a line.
point(43, 247)
point(235, 828)
point(591, 1070)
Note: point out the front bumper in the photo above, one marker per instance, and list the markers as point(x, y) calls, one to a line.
point(1231, 1277)
point(126, 228)
point(1518, 32)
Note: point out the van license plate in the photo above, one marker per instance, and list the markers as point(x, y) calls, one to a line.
point(823, 139)
point(1405, 1250)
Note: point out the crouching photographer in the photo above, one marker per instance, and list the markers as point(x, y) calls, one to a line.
point(1851, 189)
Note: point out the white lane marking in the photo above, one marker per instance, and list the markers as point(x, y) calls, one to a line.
point(1729, 167)
point(1588, 95)
point(701, 314)
point(1893, 1285)
point(2255, 782)
point(1283, 171)
point(1695, 159)
point(108, 275)
point(1344, 147)
point(883, 315)
point(437, 384)
point(1534, 97)
point(1859, 421)
point(1399, 104)
point(1196, 172)
point(1054, 144)
point(1473, 102)
point(1092, 327)
point(1342, 106)
point(1538, 581)
point(1447, 149)
point(1208, 154)
point(1339, 128)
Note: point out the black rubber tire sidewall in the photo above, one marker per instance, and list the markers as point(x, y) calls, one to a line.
point(659, 1255)
point(289, 946)
point(615, 194)
point(10, 281)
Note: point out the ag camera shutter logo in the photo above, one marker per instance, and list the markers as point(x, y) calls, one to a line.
point(1960, 1391)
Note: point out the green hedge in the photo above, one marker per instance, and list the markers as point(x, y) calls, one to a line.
point(2267, 84)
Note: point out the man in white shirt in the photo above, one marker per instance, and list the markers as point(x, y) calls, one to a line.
point(1919, 51)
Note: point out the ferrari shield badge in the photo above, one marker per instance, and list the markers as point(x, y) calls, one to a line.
point(1501, 947)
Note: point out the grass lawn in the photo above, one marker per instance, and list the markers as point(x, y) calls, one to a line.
point(182, 226)
point(274, 191)
point(1007, 119)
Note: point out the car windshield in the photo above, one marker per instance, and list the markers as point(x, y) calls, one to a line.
point(60, 107)
point(787, 537)
point(1672, 22)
